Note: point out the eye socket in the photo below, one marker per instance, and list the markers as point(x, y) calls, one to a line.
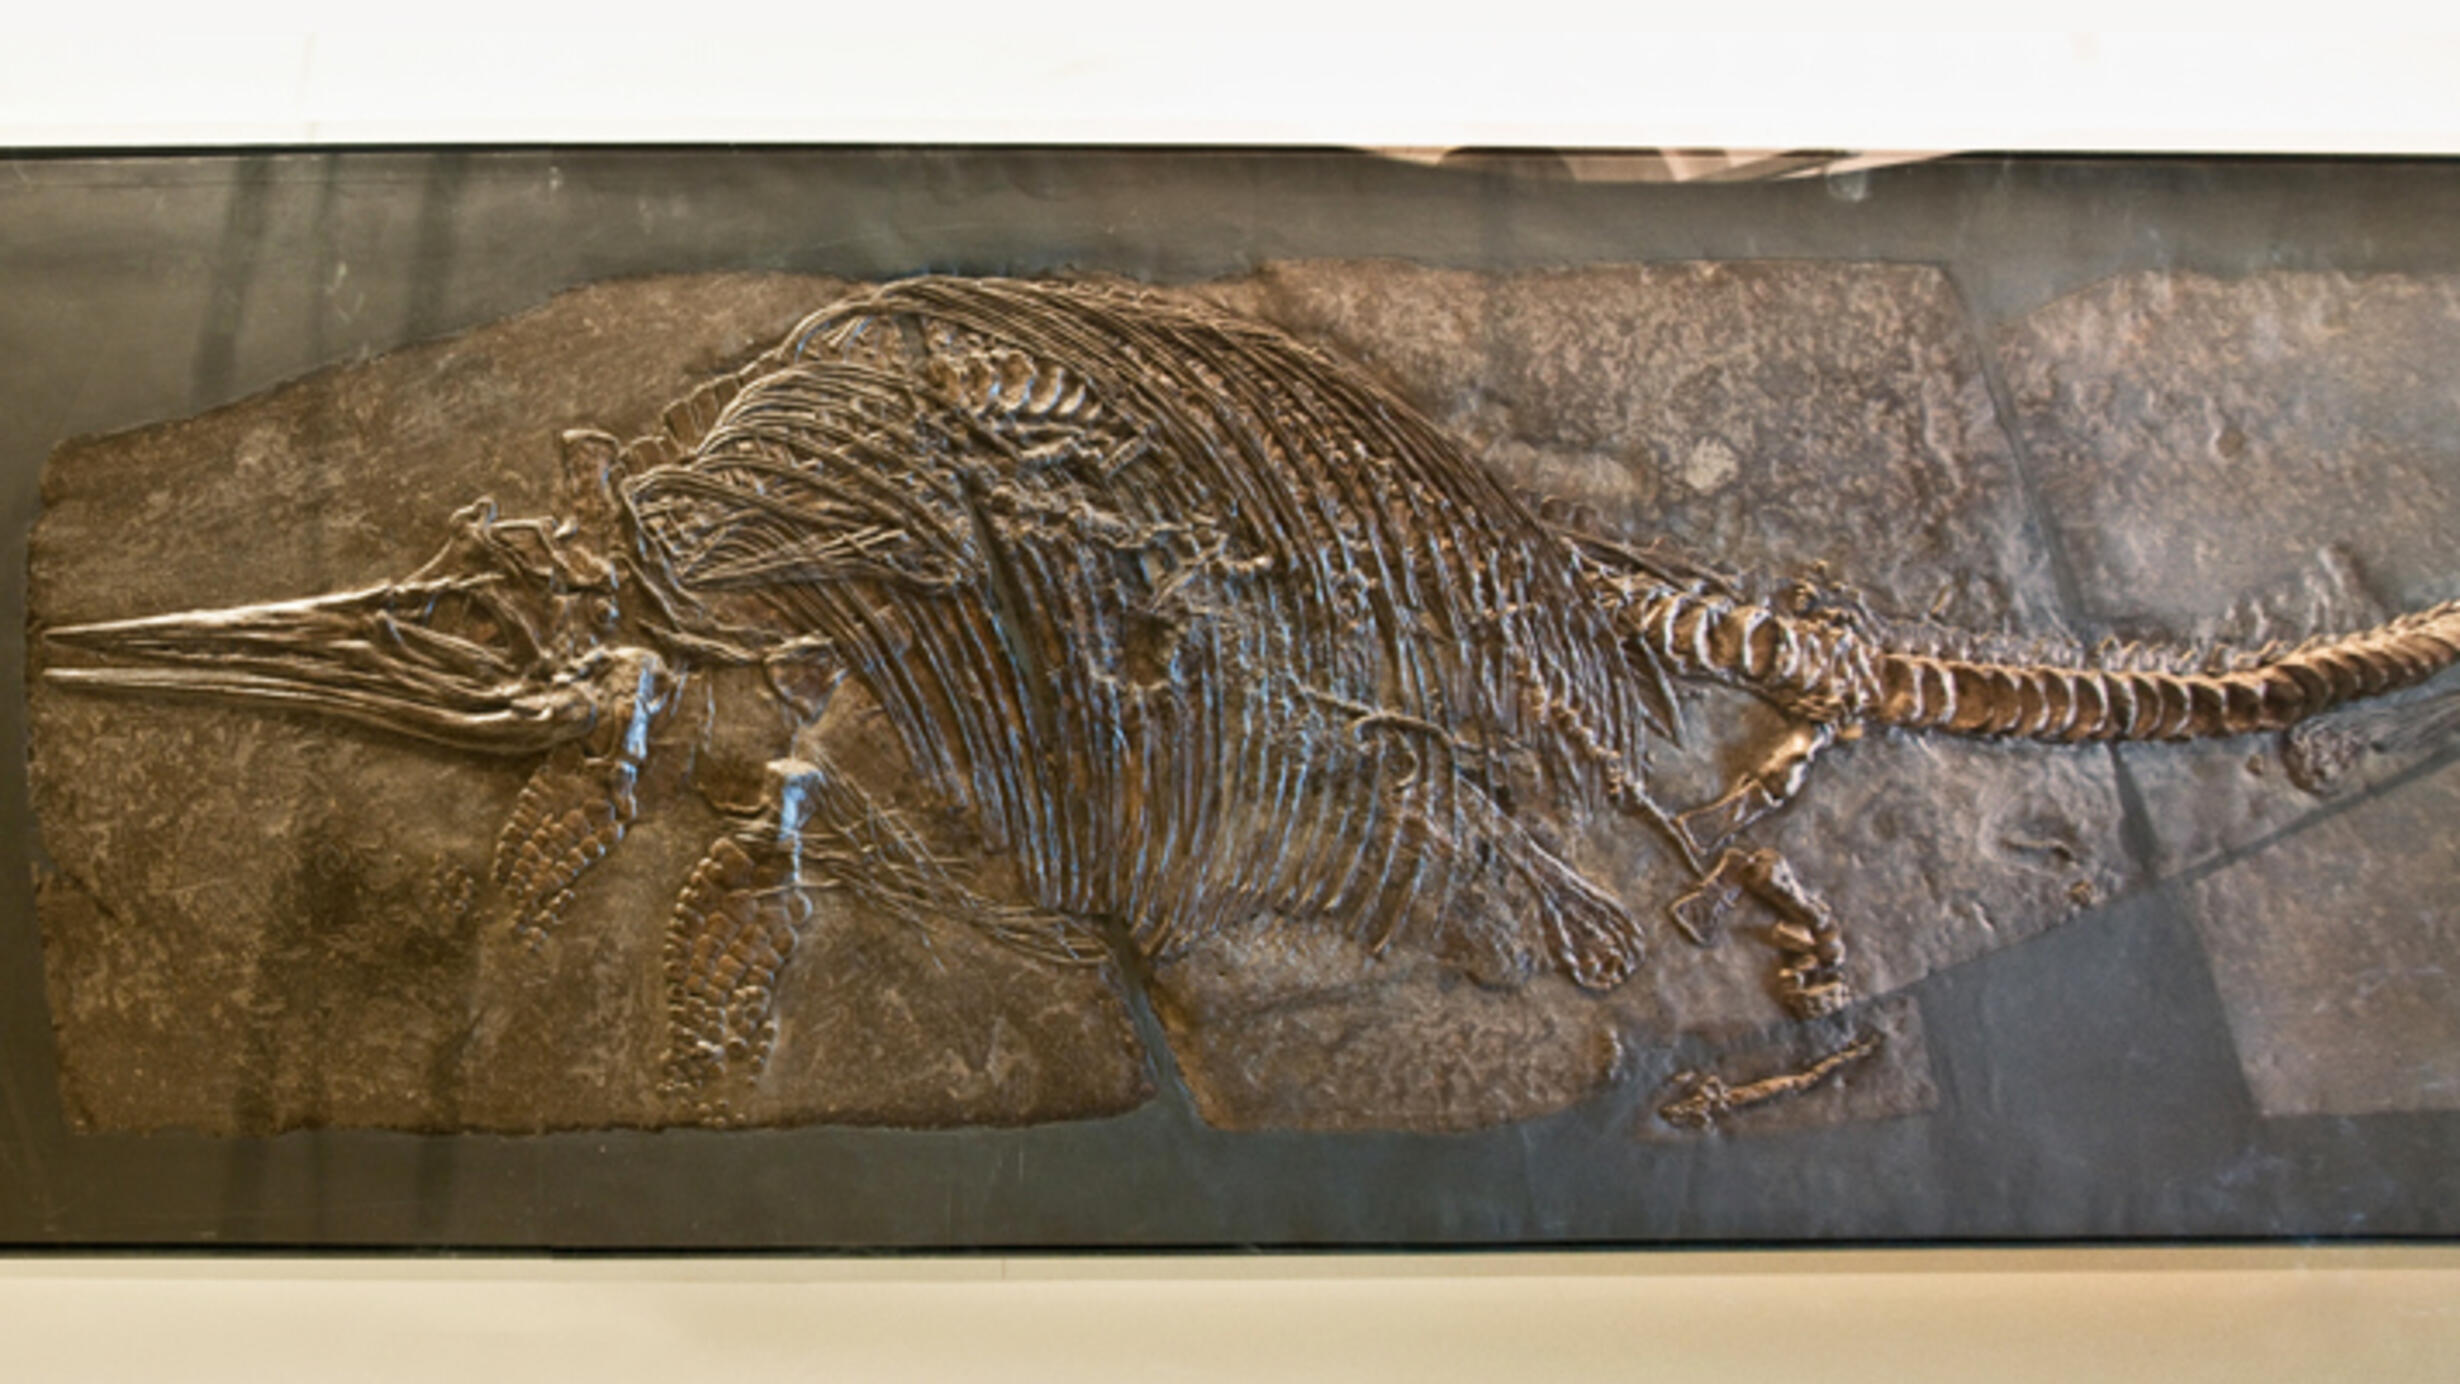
point(464, 617)
point(525, 544)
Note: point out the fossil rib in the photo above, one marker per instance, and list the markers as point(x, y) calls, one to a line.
point(1185, 621)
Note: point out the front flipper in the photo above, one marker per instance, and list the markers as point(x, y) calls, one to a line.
point(578, 803)
point(734, 926)
point(570, 814)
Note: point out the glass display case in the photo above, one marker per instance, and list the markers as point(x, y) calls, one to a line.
point(2126, 946)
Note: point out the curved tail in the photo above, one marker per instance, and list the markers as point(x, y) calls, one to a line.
point(1831, 669)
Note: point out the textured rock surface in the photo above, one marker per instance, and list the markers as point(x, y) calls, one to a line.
point(1762, 416)
point(1275, 1028)
point(1893, 1080)
point(2332, 951)
point(2199, 439)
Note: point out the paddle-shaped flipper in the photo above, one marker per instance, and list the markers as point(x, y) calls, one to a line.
point(734, 927)
point(570, 814)
point(578, 803)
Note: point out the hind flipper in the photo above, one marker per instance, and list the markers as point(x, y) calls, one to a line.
point(1762, 789)
point(1702, 1098)
point(1811, 948)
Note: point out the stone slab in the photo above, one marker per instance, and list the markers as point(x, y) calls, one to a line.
point(323, 961)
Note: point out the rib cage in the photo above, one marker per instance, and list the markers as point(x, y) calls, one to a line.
point(1195, 622)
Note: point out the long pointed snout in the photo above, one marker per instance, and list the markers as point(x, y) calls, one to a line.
point(435, 660)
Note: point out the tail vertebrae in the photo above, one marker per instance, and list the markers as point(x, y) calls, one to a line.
point(1826, 668)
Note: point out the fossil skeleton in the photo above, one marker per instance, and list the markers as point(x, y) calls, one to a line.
point(1185, 621)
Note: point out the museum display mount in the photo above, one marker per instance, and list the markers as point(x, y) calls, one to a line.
point(1221, 718)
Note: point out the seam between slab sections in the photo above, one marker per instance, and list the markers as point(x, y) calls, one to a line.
point(1170, 1089)
point(2135, 826)
point(2327, 811)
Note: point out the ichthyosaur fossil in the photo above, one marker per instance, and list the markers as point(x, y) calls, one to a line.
point(1185, 623)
